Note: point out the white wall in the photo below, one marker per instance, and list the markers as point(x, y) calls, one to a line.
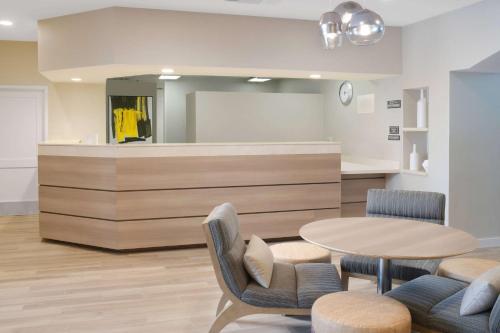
point(364, 135)
point(475, 153)
point(175, 98)
point(23, 122)
point(254, 117)
point(431, 49)
point(174, 120)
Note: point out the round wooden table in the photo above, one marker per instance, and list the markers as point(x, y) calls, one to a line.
point(387, 239)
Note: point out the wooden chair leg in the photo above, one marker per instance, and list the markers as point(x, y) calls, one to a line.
point(345, 280)
point(222, 303)
point(230, 314)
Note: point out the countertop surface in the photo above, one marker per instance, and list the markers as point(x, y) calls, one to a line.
point(354, 165)
point(189, 149)
point(350, 164)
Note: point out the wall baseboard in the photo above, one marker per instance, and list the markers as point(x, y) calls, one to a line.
point(489, 242)
point(18, 208)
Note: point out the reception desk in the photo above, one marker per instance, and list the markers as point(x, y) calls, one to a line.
point(145, 196)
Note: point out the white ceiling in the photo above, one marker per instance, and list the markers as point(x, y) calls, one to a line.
point(25, 13)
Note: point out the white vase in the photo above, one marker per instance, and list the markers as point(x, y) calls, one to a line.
point(414, 159)
point(422, 111)
point(425, 165)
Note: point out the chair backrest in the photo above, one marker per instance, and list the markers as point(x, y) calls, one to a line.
point(416, 205)
point(495, 317)
point(227, 248)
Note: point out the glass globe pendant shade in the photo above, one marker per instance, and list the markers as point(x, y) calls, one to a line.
point(346, 10)
point(331, 30)
point(365, 28)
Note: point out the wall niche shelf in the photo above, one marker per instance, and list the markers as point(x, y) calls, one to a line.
point(415, 129)
point(416, 173)
point(413, 135)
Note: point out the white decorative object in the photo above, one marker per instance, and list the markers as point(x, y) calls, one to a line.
point(366, 103)
point(414, 159)
point(91, 139)
point(422, 111)
point(425, 165)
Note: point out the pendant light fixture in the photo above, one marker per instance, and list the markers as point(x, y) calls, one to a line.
point(365, 28)
point(330, 24)
point(346, 10)
point(361, 26)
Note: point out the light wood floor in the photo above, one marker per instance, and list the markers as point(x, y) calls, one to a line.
point(55, 287)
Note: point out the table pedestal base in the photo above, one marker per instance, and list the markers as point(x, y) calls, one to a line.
point(384, 276)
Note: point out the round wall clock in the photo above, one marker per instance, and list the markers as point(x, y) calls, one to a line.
point(346, 92)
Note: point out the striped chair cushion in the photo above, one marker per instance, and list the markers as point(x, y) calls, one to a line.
point(405, 270)
point(423, 293)
point(425, 206)
point(413, 205)
point(314, 281)
point(495, 317)
point(282, 293)
point(445, 317)
point(229, 247)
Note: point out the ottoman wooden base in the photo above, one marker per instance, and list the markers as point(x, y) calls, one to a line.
point(465, 269)
point(300, 253)
point(359, 312)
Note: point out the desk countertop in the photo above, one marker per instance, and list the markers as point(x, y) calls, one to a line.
point(353, 165)
point(189, 149)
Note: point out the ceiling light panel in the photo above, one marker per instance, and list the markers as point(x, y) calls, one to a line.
point(259, 79)
point(169, 77)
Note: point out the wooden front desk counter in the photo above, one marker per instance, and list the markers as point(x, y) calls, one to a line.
point(145, 196)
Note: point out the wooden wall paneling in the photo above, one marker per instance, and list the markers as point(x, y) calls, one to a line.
point(186, 172)
point(78, 172)
point(80, 230)
point(133, 205)
point(283, 224)
point(78, 202)
point(355, 190)
point(224, 171)
point(355, 209)
point(169, 232)
point(199, 202)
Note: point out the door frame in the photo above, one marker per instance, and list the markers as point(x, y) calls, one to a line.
point(27, 207)
point(45, 112)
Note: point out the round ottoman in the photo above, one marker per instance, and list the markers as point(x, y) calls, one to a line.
point(300, 253)
point(465, 269)
point(359, 312)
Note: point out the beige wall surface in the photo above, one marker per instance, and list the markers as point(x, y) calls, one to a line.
point(254, 117)
point(75, 110)
point(431, 50)
point(364, 134)
point(135, 37)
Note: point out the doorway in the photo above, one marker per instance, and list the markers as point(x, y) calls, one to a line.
point(23, 114)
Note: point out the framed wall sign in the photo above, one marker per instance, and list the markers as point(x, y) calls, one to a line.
point(394, 104)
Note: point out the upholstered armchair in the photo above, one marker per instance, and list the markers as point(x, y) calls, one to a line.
point(413, 205)
point(293, 288)
point(434, 303)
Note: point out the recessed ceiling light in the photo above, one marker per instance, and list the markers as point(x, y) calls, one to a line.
point(167, 70)
point(259, 79)
point(315, 76)
point(169, 77)
point(76, 79)
point(6, 23)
